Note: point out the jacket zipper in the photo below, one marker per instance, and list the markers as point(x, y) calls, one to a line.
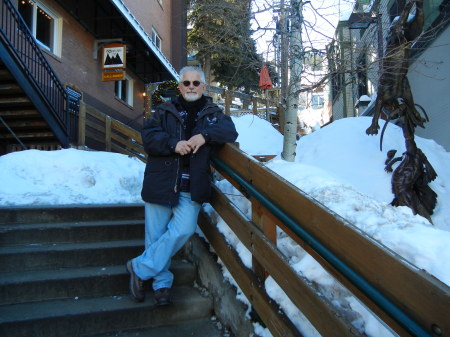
point(175, 188)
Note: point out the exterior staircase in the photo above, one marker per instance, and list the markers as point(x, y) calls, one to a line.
point(63, 274)
point(20, 121)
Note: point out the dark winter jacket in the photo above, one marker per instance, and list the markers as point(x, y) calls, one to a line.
point(161, 133)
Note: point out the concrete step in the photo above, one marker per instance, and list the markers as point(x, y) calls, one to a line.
point(77, 317)
point(75, 213)
point(29, 135)
point(43, 146)
point(16, 114)
point(43, 256)
point(91, 231)
point(62, 273)
point(5, 75)
point(38, 285)
point(9, 88)
point(200, 328)
point(8, 102)
point(23, 124)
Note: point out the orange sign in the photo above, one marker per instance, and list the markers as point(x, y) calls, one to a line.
point(113, 76)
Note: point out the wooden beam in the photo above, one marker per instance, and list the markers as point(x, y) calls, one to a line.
point(108, 134)
point(127, 131)
point(422, 297)
point(267, 228)
point(82, 124)
point(228, 99)
point(274, 318)
point(319, 311)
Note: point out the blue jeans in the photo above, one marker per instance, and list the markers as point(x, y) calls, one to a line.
point(167, 229)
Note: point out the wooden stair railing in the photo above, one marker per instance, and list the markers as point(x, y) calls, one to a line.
point(107, 134)
point(408, 300)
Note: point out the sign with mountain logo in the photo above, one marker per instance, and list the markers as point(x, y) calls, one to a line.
point(114, 56)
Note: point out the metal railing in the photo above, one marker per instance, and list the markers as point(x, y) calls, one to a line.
point(73, 110)
point(26, 52)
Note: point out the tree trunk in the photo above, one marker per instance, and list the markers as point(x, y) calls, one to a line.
point(207, 69)
point(284, 64)
point(295, 66)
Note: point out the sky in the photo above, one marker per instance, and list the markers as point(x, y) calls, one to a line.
point(338, 165)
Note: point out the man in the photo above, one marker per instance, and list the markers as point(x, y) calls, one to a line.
point(178, 138)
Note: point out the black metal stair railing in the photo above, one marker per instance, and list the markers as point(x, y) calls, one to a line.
point(27, 54)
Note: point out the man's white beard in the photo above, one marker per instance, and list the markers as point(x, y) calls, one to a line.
point(191, 97)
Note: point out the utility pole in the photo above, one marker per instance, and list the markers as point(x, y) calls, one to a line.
point(295, 67)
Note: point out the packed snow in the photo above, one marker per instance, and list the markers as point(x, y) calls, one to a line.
point(338, 165)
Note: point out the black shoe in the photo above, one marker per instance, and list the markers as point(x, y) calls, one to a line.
point(162, 296)
point(136, 284)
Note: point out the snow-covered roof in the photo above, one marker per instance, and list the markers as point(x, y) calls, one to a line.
point(144, 35)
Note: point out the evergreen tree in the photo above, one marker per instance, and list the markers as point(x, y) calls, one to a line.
point(221, 39)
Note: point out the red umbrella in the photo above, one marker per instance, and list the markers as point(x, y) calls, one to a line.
point(264, 79)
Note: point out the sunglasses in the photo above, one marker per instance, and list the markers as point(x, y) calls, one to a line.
point(188, 83)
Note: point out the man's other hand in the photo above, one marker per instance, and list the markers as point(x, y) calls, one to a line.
point(196, 142)
point(183, 147)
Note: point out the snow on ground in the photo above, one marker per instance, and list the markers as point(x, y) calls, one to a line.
point(69, 176)
point(338, 165)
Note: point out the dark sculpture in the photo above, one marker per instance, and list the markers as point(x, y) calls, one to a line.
point(393, 92)
point(411, 178)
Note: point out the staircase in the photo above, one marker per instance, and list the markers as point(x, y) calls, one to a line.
point(63, 274)
point(21, 117)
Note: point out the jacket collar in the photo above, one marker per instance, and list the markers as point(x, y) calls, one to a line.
point(174, 106)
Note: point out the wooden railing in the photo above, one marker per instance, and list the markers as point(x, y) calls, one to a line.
point(407, 299)
point(107, 134)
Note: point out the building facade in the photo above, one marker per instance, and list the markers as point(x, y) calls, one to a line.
point(71, 33)
point(356, 55)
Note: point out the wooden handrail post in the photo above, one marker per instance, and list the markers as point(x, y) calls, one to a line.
point(227, 102)
point(82, 124)
point(255, 105)
point(148, 100)
point(280, 113)
point(108, 133)
point(268, 227)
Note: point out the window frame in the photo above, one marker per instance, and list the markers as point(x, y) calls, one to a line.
point(317, 101)
point(56, 28)
point(156, 38)
point(129, 90)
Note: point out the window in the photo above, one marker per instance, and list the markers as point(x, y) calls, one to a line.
point(317, 101)
point(363, 5)
point(156, 39)
point(361, 69)
point(43, 24)
point(124, 90)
